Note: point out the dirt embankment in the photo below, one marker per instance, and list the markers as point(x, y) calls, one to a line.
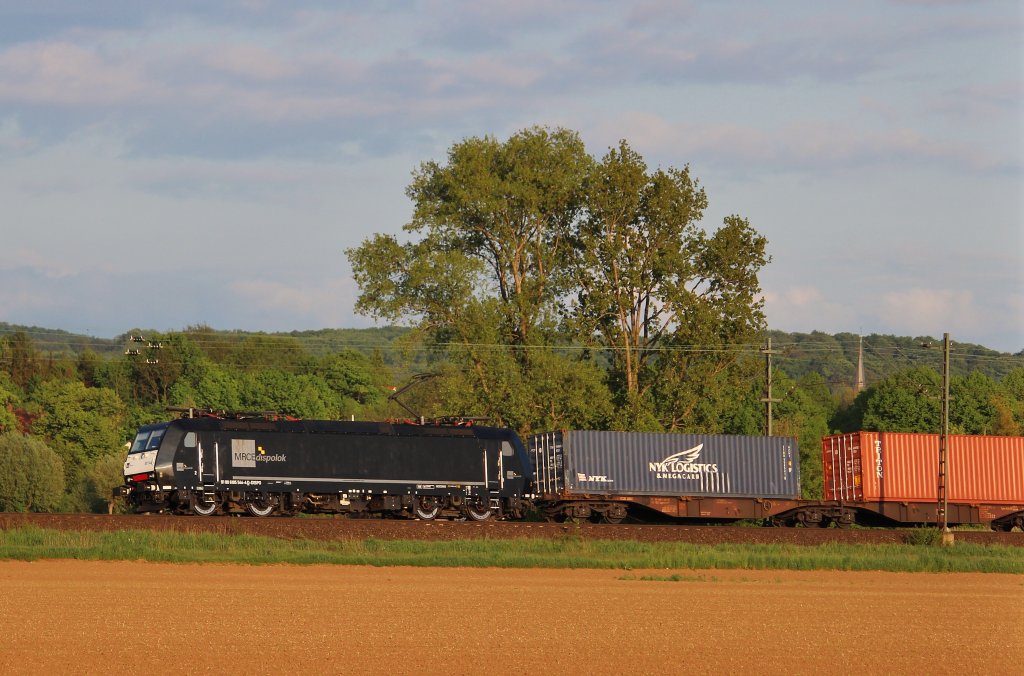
point(389, 529)
point(91, 617)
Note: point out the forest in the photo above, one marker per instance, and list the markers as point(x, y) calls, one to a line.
point(537, 287)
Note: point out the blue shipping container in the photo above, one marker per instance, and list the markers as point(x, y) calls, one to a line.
point(645, 463)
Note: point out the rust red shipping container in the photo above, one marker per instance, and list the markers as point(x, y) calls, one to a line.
point(904, 467)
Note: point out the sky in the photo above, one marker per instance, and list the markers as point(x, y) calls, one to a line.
point(164, 165)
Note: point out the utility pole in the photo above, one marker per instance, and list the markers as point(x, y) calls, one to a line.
point(768, 352)
point(860, 366)
point(943, 498)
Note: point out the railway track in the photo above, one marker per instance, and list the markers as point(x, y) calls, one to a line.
point(338, 528)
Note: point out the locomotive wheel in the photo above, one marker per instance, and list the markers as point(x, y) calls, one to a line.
point(203, 508)
point(259, 505)
point(427, 508)
point(477, 510)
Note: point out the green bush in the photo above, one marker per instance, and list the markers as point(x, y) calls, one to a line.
point(100, 480)
point(31, 475)
point(927, 536)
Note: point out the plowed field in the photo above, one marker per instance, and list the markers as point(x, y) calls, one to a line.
point(95, 617)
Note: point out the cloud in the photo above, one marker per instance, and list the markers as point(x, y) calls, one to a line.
point(105, 303)
point(909, 312)
point(928, 308)
point(12, 138)
point(326, 302)
point(498, 25)
point(808, 145)
point(24, 259)
point(980, 101)
point(247, 80)
point(62, 73)
point(17, 297)
point(805, 308)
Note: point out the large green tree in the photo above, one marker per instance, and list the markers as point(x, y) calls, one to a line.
point(20, 358)
point(515, 237)
point(671, 304)
point(635, 253)
point(9, 400)
point(1010, 407)
point(803, 411)
point(82, 424)
point(907, 401)
point(973, 406)
point(486, 273)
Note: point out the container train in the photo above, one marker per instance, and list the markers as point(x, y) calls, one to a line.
point(263, 465)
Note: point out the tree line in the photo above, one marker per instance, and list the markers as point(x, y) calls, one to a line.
point(65, 420)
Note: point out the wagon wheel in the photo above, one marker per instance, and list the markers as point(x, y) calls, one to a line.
point(427, 507)
point(259, 505)
point(477, 510)
point(553, 514)
point(615, 514)
point(809, 520)
point(203, 508)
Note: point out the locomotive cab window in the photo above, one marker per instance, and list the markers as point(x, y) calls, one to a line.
point(154, 439)
point(140, 442)
point(147, 440)
point(190, 440)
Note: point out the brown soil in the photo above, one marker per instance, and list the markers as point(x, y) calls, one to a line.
point(93, 617)
point(388, 529)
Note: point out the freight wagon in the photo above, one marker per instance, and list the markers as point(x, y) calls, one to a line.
point(605, 476)
point(224, 464)
point(891, 478)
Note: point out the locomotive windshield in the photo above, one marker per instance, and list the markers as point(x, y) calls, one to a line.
point(148, 440)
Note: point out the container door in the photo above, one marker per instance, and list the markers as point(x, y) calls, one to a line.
point(547, 454)
point(841, 461)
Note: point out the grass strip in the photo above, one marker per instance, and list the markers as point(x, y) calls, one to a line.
point(31, 543)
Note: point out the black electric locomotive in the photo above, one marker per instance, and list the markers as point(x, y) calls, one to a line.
point(263, 465)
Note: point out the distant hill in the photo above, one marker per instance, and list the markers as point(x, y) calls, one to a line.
point(832, 356)
point(63, 342)
point(835, 356)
